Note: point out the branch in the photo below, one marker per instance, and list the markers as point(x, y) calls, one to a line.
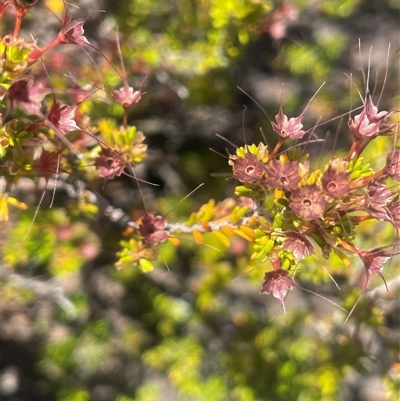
point(41, 288)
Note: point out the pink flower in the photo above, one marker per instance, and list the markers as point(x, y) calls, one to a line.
point(48, 164)
point(393, 164)
point(278, 283)
point(373, 262)
point(109, 164)
point(152, 229)
point(126, 96)
point(336, 183)
point(369, 123)
point(298, 244)
point(27, 95)
point(282, 174)
point(72, 31)
point(288, 129)
point(394, 211)
point(308, 202)
point(247, 169)
point(63, 117)
point(377, 199)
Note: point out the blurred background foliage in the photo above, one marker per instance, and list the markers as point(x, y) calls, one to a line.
point(74, 328)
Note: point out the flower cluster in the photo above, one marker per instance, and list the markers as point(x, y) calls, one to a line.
point(43, 134)
point(299, 208)
point(284, 207)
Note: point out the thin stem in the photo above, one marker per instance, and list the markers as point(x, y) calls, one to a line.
point(277, 147)
point(353, 151)
point(125, 118)
point(348, 247)
point(17, 26)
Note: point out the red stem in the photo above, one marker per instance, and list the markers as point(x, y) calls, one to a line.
point(354, 149)
point(17, 26)
point(38, 53)
point(125, 118)
point(348, 247)
point(277, 147)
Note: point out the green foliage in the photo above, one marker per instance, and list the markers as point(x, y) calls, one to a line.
point(182, 358)
point(190, 37)
point(339, 8)
point(14, 58)
point(44, 247)
point(126, 141)
point(76, 394)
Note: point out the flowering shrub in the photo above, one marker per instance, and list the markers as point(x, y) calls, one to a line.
point(74, 301)
point(284, 207)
